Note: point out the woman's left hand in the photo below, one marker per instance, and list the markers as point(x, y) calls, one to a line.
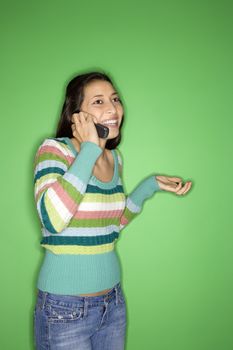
point(173, 184)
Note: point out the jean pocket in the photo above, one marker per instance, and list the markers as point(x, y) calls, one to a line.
point(62, 314)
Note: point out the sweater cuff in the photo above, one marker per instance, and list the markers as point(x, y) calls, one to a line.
point(144, 190)
point(84, 162)
point(156, 184)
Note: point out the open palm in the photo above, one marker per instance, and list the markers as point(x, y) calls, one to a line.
point(173, 184)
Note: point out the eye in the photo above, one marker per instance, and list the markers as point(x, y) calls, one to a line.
point(118, 99)
point(97, 101)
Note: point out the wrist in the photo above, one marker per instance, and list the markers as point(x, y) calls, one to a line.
point(91, 146)
point(157, 184)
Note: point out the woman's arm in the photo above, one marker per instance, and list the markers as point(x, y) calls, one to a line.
point(135, 200)
point(59, 187)
point(146, 189)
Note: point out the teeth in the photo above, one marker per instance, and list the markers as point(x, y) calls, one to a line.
point(110, 122)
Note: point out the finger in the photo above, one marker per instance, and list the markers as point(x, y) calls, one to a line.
point(94, 119)
point(176, 179)
point(83, 117)
point(183, 189)
point(74, 116)
point(188, 187)
point(90, 117)
point(178, 187)
point(74, 127)
point(172, 188)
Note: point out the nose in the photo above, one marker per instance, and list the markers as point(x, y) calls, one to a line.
point(111, 109)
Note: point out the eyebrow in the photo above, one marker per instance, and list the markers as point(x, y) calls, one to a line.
point(114, 93)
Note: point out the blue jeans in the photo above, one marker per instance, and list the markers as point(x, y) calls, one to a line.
point(73, 322)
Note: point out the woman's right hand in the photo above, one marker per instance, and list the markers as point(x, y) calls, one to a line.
point(83, 127)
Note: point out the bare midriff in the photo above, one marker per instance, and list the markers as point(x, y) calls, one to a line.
point(95, 294)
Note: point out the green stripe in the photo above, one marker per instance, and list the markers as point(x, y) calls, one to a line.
point(101, 222)
point(50, 156)
point(129, 215)
point(72, 191)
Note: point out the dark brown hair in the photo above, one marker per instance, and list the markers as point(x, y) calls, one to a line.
point(73, 101)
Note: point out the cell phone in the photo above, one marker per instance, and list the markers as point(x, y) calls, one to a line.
point(102, 130)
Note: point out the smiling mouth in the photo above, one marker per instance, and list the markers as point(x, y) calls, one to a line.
point(111, 124)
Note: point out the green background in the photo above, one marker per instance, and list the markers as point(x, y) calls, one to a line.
point(172, 64)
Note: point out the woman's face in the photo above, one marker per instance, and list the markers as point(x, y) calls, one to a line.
point(102, 101)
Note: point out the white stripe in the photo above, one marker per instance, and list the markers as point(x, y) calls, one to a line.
point(83, 231)
point(80, 186)
point(59, 145)
point(58, 205)
point(50, 164)
point(102, 206)
point(132, 207)
point(76, 182)
point(47, 182)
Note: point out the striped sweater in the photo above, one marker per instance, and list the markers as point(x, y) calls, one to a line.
point(81, 217)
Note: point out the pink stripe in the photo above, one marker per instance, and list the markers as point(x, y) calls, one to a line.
point(97, 214)
point(54, 150)
point(64, 197)
point(123, 221)
point(41, 190)
point(70, 159)
point(62, 194)
point(51, 149)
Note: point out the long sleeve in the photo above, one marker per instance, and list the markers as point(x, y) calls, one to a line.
point(58, 187)
point(136, 199)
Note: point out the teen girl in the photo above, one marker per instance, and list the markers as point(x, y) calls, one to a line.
point(83, 207)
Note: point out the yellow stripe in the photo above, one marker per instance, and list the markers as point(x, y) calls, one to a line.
point(76, 249)
point(66, 147)
point(46, 177)
point(53, 214)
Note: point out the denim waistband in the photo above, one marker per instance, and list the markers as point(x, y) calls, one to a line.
point(77, 300)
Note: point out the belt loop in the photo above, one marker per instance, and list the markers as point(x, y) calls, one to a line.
point(85, 307)
point(116, 291)
point(44, 296)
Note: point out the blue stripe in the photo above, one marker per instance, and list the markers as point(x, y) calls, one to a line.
point(49, 170)
point(96, 189)
point(60, 139)
point(84, 241)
